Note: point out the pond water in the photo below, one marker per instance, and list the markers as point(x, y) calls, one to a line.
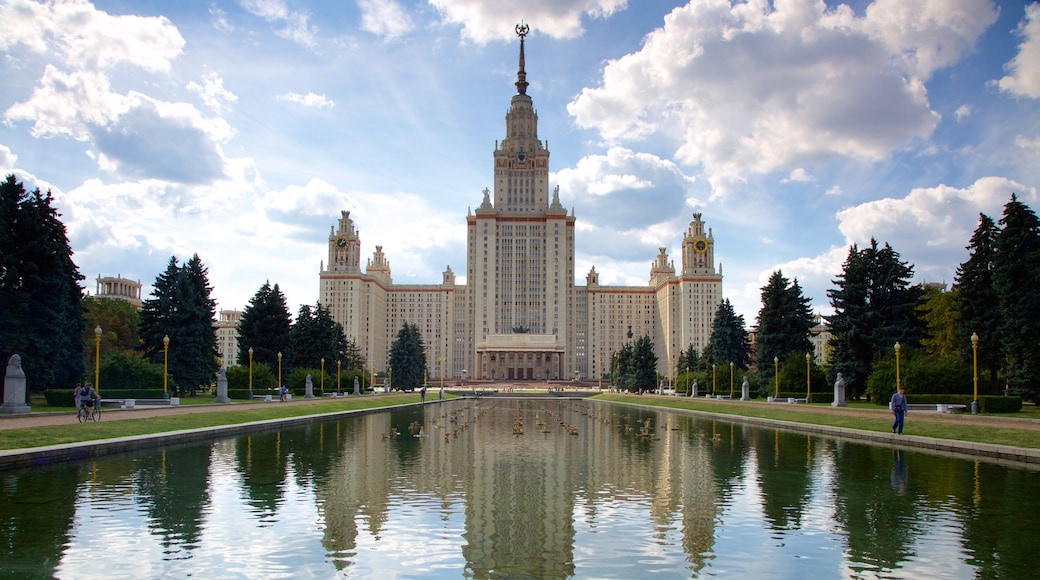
point(521, 489)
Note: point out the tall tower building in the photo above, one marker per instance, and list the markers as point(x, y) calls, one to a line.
point(520, 315)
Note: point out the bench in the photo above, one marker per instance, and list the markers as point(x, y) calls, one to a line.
point(131, 403)
point(937, 407)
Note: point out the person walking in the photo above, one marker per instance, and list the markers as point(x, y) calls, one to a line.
point(898, 407)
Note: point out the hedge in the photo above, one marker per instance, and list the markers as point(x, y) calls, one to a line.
point(987, 403)
point(64, 397)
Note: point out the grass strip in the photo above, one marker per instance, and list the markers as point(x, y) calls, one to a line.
point(939, 426)
point(78, 432)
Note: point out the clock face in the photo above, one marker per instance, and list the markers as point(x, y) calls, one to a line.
point(342, 242)
point(521, 157)
point(700, 246)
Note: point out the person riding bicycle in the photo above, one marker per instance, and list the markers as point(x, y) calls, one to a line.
point(86, 395)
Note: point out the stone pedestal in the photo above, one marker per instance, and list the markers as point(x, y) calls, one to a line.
point(357, 386)
point(14, 388)
point(745, 390)
point(222, 396)
point(839, 392)
point(308, 392)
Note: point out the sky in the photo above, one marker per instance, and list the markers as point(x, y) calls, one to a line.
point(238, 130)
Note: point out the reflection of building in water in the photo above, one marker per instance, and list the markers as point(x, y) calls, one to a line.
point(520, 315)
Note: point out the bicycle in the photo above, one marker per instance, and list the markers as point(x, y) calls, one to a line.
point(91, 413)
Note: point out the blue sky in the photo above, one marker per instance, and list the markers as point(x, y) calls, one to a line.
point(239, 130)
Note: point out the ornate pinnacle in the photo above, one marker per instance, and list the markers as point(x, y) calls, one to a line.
point(521, 76)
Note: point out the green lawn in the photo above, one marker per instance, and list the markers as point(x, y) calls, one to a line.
point(75, 432)
point(980, 432)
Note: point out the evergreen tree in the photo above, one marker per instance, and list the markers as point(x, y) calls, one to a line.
point(180, 308)
point(978, 306)
point(783, 323)
point(874, 307)
point(352, 359)
point(41, 311)
point(729, 337)
point(644, 365)
point(265, 327)
point(689, 360)
point(315, 336)
point(198, 364)
point(1016, 279)
point(407, 359)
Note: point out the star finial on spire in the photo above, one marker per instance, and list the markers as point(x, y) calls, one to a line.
point(521, 76)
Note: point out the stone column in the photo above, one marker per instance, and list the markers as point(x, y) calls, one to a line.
point(14, 388)
point(222, 396)
point(745, 390)
point(309, 388)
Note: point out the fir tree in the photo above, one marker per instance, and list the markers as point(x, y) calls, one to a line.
point(407, 359)
point(41, 311)
point(783, 323)
point(874, 307)
point(315, 336)
point(644, 365)
point(729, 337)
point(1016, 279)
point(265, 327)
point(978, 304)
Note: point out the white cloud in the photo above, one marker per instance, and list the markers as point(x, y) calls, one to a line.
point(308, 100)
point(755, 87)
point(7, 160)
point(487, 20)
point(962, 112)
point(1024, 69)
point(385, 18)
point(212, 91)
point(1030, 145)
point(89, 38)
point(799, 175)
point(297, 26)
point(630, 203)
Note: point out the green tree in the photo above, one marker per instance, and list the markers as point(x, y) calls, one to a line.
point(181, 308)
point(874, 307)
point(978, 305)
point(938, 311)
point(730, 342)
point(643, 367)
point(407, 358)
point(118, 320)
point(265, 327)
point(1016, 279)
point(783, 323)
point(620, 375)
point(125, 369)
point(315, 336)
point(41, 311)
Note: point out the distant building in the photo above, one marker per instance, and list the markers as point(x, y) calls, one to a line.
point(119, 288)
point(227, 337)
point(520, 315)
point(820, 334)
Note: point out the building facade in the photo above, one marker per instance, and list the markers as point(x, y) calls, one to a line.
point(119, 288)
point(520, 315)
point(227, 337)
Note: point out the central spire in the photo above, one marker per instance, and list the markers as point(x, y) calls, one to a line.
point(521, 75)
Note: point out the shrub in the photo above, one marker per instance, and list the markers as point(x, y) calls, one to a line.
point(920, 374)
point(127, 370)
point(263, 378)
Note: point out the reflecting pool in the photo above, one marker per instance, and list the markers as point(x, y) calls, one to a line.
point(522, 489)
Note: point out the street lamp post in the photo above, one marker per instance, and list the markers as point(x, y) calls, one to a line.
point(442, 371)
point(250, 373)
point(808, 378)
point(97, 358)
point(165, 363)
point(975, 372)
point(898, 348)
point(712, 378)
point(338, 363)
point(322, 375)
point(776, 375)
point(279, 370)
point(731, 379)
